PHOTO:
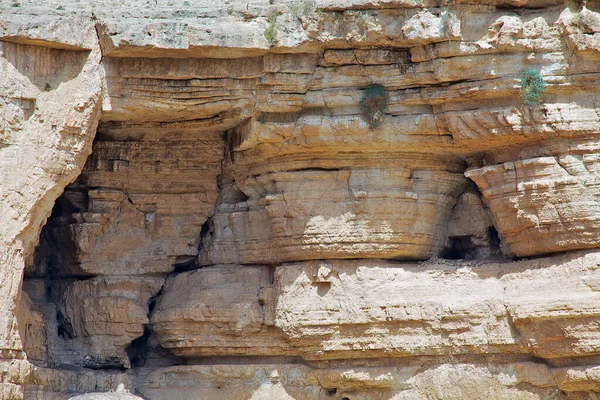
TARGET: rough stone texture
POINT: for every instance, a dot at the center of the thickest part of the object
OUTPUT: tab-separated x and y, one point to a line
543	204
235	300
62	384
106	396
349	211
50	104
240	229
101	316
514	381
137	208
373	309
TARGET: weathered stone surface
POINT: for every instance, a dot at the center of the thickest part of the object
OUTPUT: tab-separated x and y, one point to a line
57	384
368	309
392	211
106	396
137	208
545	204
232	137
471	232
401	311
32	330
234	300
49	114
100	317
281	381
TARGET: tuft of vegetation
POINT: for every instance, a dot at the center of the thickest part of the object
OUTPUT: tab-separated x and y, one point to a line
532	87
373	104
271	29
47	87
262	118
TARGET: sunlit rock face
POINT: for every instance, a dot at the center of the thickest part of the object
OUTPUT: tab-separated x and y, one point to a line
393	208
299	200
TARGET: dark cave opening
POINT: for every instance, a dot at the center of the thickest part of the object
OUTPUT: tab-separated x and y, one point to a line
459	248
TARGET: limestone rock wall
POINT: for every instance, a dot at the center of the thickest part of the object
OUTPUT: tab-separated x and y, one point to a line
50	104
196	205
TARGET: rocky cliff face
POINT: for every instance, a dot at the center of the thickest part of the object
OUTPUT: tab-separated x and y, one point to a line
198	202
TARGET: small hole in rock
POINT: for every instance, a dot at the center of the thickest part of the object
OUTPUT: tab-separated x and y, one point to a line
138	349
494	239
458	249
65	329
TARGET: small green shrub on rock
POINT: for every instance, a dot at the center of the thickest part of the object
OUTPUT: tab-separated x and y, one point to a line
532	87
271	29
373	104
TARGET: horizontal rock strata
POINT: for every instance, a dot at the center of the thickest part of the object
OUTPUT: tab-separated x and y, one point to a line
247	227
526	380
543	204
372	309
396	210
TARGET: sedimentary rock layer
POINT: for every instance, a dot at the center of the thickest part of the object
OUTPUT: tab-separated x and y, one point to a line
49	112
348	208
524	380
243	228
138	206
543	204
375	309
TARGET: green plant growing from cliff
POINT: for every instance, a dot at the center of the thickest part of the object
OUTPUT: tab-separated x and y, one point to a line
271	29
373	104
532	87
262	118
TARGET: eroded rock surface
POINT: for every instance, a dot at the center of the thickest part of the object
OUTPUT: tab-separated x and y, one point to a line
245	228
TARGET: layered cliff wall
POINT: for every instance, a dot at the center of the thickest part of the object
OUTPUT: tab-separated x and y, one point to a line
198	202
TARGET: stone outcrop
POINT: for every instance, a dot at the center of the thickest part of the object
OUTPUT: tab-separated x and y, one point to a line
106	396
198	202
388	310
236	301
50	104
285	381
543	204
359	209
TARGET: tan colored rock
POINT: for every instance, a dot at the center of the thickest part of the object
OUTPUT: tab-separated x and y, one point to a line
106	396
470	230
288	381
395	209
145	211
285	382
577	379
101	316
49	116
32	330
368	309
237	127
543	205
188	89
219	310
55	384
484	318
